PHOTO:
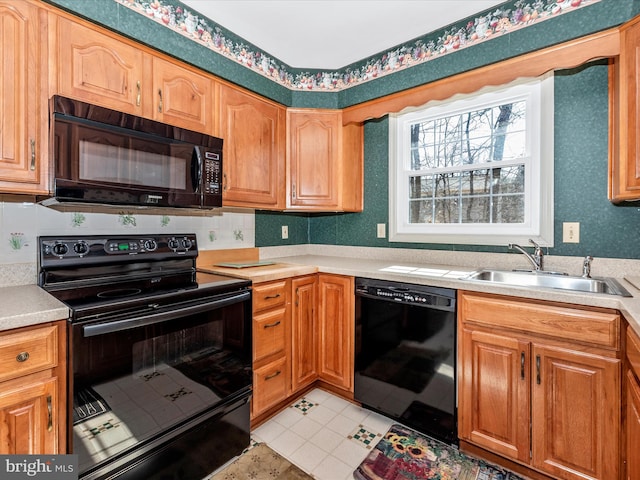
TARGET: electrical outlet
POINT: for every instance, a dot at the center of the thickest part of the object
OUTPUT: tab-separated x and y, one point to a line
571	232
382	230
285	232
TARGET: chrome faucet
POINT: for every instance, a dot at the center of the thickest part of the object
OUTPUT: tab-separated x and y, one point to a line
536	259
586	266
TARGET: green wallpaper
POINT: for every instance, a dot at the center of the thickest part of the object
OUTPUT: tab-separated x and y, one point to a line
581	126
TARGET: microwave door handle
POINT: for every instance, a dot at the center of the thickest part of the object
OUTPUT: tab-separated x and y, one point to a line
196	169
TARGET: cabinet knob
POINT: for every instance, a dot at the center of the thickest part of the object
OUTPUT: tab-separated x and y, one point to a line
22	357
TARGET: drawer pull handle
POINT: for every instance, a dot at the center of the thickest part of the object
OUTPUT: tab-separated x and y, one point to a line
159	101
138	93
538	369
269	325
269	297
522	365
50	414
273	375
22	357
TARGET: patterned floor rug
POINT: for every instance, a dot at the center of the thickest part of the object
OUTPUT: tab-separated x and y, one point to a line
261	463
404	454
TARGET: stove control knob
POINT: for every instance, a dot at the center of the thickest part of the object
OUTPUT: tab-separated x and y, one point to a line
150	245
187	244
60	249
81	248
173	244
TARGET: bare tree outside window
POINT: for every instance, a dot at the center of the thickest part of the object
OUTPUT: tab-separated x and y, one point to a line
469	167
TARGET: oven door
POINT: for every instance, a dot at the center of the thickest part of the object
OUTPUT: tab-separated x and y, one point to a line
142	382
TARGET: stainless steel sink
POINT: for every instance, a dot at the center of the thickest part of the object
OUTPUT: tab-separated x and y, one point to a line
608	286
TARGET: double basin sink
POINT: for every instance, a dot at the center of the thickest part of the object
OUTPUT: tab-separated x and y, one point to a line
555	280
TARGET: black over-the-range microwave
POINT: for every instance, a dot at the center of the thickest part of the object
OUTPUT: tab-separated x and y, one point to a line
102	156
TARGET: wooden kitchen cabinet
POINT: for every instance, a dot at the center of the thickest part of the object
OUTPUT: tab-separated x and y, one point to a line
254	149
632	418
181	96
304	338
325	161
23	95
102	68
336	326
271	339
624	158
539	384
33	390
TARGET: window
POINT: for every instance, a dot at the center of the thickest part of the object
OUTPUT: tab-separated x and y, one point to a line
475	169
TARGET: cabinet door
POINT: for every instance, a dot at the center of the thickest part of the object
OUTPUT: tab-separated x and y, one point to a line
494	393
27	417
575	423
336	330
254	149
303	339
314	156
182	97
633	427
100	69
23	119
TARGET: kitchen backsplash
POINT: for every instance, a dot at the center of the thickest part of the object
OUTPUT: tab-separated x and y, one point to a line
22	222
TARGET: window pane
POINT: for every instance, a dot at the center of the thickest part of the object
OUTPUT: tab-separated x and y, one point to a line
476	210
447	210
508	209
508	179
421	211
447	184
475	182
421	187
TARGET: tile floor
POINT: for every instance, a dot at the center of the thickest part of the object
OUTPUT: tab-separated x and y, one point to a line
323	434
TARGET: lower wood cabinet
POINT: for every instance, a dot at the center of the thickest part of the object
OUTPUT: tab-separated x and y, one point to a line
632	417
271	345
302	333
336	326
539	384
32	390
304	339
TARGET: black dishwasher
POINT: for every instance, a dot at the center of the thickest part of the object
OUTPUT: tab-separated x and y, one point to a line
405	366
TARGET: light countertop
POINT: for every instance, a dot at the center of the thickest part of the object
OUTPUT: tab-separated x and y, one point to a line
25	305
448	276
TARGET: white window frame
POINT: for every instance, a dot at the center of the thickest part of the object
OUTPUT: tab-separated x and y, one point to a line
538	224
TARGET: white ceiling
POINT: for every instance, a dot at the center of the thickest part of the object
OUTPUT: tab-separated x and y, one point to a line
331	34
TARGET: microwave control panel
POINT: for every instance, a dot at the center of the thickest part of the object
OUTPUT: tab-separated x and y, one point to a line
212	173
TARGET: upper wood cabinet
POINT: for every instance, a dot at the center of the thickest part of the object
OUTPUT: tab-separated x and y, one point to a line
624	156
540	384
101	68
254	131
325	161
182	97
23	96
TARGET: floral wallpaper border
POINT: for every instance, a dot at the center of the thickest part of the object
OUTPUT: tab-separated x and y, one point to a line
503	20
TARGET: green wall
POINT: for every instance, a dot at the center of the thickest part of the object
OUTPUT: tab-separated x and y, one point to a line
581	151
581	126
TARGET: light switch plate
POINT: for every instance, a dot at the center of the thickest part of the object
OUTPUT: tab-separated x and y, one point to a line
285	232
382	231
571	232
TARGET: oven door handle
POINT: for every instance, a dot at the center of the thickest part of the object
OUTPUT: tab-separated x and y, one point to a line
150	319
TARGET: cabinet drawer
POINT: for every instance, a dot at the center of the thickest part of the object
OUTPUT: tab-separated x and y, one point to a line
269	385
28	351
269	333
269	295
633	351
595	326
